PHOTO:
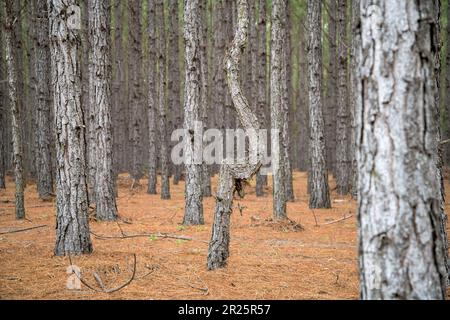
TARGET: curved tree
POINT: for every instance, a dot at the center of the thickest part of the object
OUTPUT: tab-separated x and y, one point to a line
233	176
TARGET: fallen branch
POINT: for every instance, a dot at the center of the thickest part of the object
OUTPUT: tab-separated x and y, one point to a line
338	220
141	235
21	230
100	282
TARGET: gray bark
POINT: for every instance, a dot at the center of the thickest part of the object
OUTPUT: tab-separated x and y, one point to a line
331	100
152	101
193	214
343	114
3	106
174	77
319	191
206	177
43	117
447	83
72	225
287	92
134	88
233	177
16	116
400	245
164	156
277	106
119	89
261	180
100	103
355	101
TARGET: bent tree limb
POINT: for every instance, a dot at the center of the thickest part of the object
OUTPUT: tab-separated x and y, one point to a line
233	175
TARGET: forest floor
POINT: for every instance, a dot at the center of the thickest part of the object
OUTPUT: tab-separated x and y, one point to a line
268	260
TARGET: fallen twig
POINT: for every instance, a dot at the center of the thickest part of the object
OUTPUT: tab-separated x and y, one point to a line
100	282
338	220
21	230
140	235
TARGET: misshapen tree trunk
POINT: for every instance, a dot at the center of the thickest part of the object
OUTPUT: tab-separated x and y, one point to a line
319	193
43	122
164	156
72	225
16	117
100	100
152	101
232	177
400	246
277	102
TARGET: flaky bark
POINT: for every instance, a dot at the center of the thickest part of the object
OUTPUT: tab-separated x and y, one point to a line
287	105
100	101
277	106
206	177
319	193
400	246
447	82
152	101
193	213
164	155
43	101
72	226
233	177
343	115
174	77
355	98
134	88
261	180
16	116
330	108
3	107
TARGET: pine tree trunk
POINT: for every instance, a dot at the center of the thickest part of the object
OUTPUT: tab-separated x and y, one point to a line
355	101
100	101
3	107
260	72
118	86
289	187
330	108
206	176
193	214
174	77
277	106
16	116
43	119
233	177
447	83
400	246
165	182
343	115
134	88
72	225
319	193
152	101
